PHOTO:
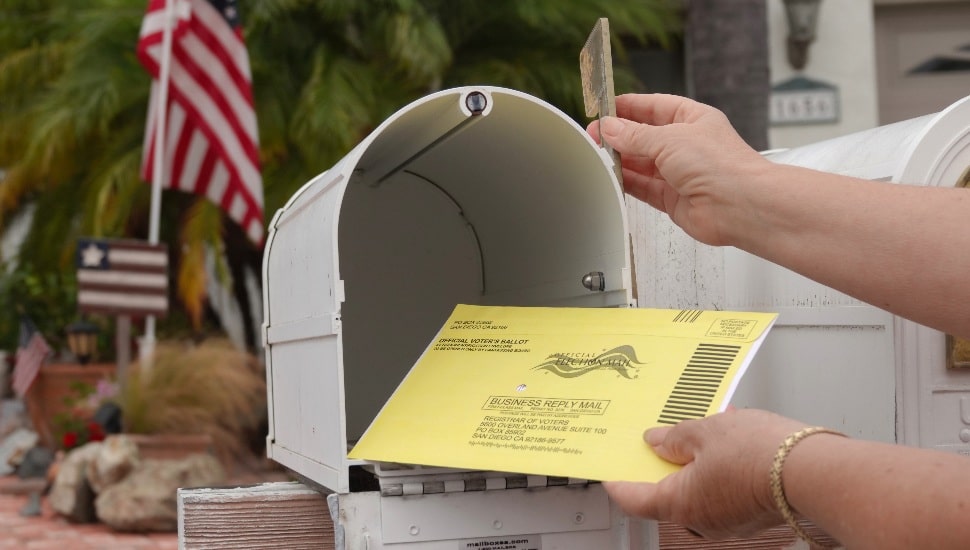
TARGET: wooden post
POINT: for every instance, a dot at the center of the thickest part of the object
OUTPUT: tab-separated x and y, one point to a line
281	515
122	345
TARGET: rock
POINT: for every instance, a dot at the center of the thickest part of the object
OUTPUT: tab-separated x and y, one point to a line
14	447
108	416
146	499
32	508
55	467
12	417
35	463
71	495
117	457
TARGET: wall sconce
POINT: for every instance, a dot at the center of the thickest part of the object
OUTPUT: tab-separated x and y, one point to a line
82	339
802	19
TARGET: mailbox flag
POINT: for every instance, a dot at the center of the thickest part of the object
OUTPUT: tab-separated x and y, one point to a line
211	142
32	349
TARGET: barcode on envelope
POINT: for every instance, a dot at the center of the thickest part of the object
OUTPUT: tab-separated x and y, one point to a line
688	315
695	389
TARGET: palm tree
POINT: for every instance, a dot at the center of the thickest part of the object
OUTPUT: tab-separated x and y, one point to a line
721	33
325	73
69	132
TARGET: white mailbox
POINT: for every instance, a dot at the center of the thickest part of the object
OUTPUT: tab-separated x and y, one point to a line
845	364
475	195
483	195
830	359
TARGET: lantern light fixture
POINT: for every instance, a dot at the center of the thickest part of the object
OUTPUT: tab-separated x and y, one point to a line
82	339
802	19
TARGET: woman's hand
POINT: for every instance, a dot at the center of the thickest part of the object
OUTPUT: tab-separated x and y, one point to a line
723	489
683	158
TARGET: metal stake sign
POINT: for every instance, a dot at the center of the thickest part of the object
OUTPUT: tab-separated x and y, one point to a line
127	278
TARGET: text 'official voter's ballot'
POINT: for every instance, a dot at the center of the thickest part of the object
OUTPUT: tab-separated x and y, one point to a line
562	391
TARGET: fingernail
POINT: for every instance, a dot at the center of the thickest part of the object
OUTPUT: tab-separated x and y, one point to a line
653	437
610	126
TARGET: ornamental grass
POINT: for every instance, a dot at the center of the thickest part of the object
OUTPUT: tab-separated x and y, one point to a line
209	388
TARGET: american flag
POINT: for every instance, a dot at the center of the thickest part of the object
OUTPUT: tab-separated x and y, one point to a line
211	143
31	352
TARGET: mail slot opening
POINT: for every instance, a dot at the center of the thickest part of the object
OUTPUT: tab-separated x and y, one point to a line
510	207
476	195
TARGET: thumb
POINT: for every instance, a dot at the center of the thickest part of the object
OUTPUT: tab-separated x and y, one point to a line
611	127
628	137
668	445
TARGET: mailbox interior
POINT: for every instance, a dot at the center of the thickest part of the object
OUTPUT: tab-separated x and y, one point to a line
512	205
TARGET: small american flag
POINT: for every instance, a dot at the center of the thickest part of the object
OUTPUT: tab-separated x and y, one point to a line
31	352
211	143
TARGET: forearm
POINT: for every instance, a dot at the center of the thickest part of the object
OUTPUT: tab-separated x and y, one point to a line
909	242
880	496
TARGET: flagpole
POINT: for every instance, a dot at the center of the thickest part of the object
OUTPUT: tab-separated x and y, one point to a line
147	343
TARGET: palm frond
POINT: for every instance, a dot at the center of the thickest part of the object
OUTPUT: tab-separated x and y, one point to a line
115	188
201	227
325	72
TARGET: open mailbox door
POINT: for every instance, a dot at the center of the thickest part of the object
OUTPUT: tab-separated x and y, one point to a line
475	195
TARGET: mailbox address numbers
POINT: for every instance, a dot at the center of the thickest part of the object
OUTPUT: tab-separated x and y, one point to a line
804	107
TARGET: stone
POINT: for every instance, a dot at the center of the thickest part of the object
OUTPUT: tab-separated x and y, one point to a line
71	494
108	416
14	447
35	463
145	500
32	508
12	416
116	458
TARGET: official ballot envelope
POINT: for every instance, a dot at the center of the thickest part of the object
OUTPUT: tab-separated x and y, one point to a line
562	391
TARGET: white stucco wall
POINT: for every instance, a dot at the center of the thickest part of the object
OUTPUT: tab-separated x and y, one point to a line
843	55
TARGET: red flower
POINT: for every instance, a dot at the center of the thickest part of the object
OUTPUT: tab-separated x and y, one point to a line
69	440
95	433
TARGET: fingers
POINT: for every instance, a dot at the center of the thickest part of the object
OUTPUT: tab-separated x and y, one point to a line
649	500
722	491
636	499
652	500
629	137
640	176
658	109
650	190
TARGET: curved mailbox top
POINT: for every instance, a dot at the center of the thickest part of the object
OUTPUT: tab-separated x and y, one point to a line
476	195
928	150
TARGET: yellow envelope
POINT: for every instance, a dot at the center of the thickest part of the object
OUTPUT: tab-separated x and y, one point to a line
562	391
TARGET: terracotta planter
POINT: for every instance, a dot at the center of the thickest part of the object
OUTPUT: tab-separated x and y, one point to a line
46	397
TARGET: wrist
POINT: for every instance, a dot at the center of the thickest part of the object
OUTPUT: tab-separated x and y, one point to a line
788	473
749	202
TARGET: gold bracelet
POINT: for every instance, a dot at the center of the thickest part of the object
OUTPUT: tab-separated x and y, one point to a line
778	490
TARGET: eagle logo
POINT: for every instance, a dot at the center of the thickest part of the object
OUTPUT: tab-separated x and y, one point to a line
621	359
